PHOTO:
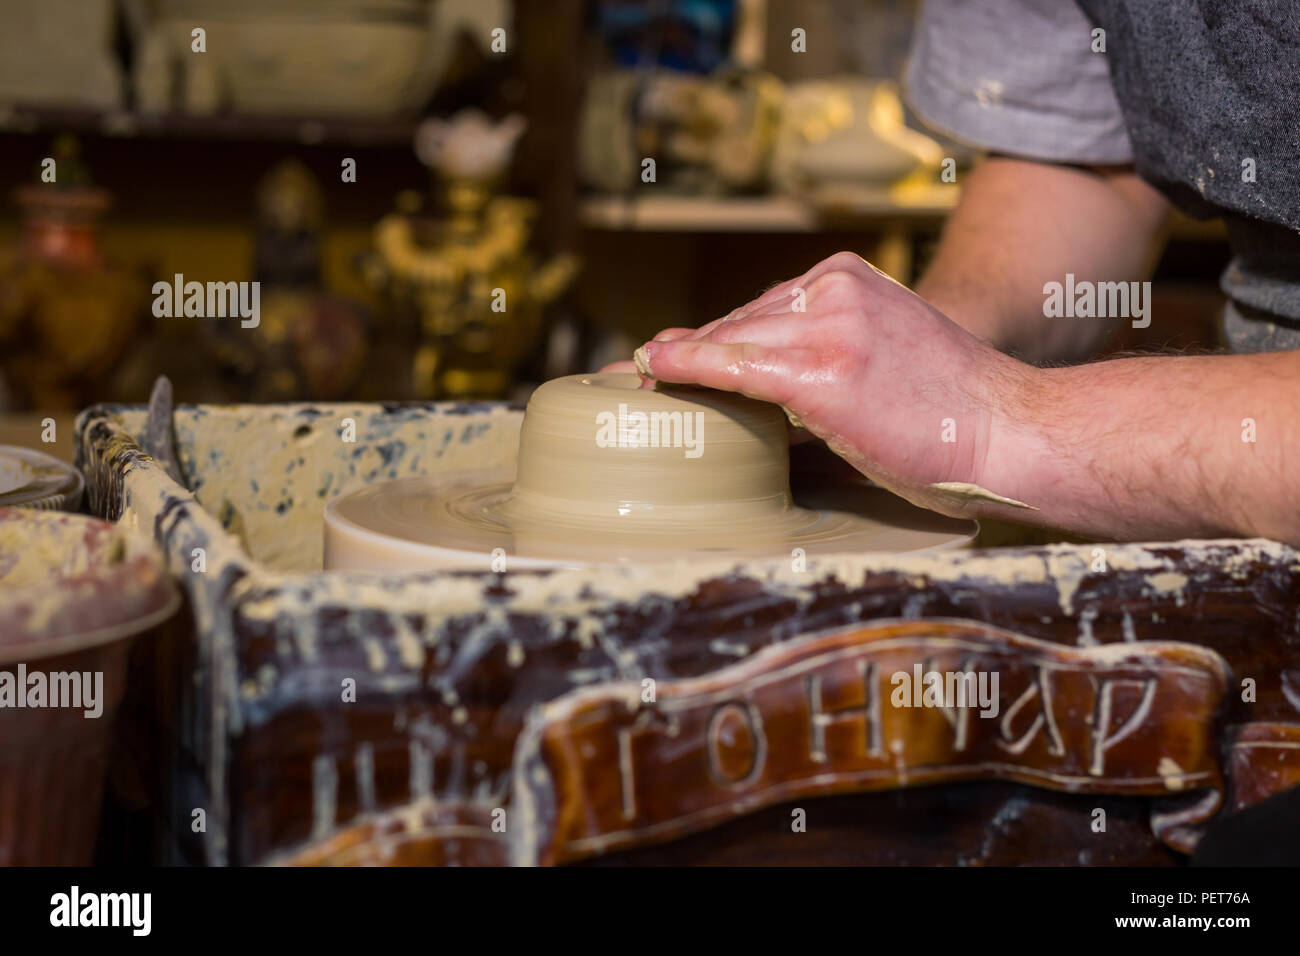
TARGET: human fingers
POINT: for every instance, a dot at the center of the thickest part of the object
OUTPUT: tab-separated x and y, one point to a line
767	374
667	335
784	294
779	330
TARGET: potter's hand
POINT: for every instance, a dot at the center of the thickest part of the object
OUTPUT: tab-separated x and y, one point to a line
905	395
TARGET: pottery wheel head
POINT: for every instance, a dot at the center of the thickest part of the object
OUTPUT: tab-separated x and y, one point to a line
608	472
603	447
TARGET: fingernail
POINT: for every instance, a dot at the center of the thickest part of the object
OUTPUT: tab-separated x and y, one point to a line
642	358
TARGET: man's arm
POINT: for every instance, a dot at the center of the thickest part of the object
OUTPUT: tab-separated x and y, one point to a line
1142	448
1160	447
1022	224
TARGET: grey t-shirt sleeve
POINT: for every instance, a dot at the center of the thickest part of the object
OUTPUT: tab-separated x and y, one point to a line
1016	77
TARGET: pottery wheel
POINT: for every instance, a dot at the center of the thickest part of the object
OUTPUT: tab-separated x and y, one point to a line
610	472
30	479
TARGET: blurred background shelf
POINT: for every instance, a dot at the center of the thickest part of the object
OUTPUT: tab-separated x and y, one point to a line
757	214
600	93
787	214
307	130
697	214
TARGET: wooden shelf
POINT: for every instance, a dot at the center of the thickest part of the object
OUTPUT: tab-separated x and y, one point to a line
758	214
784	214
695	214
308	130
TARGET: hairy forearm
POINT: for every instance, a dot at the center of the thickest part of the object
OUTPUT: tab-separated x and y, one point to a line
1154	448
1022	224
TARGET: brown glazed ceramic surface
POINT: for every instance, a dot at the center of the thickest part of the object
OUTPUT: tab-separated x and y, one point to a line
472	685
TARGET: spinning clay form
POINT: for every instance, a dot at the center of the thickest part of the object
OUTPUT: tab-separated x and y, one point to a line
612	472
